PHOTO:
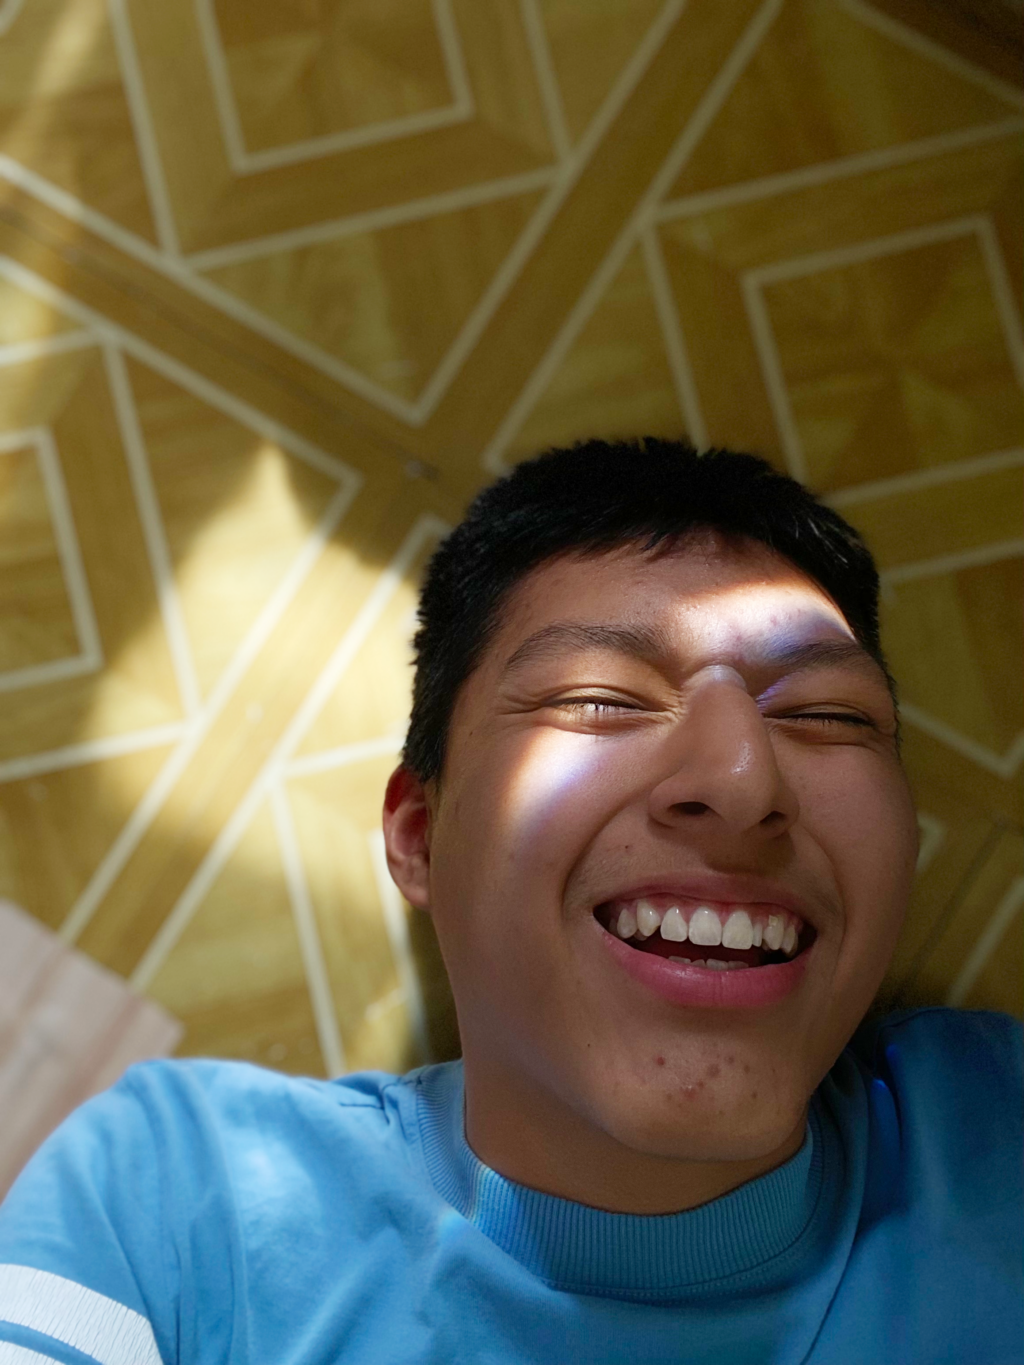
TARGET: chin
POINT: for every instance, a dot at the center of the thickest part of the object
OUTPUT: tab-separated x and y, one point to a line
684	1123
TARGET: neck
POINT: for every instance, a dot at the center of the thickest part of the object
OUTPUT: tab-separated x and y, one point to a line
519	1129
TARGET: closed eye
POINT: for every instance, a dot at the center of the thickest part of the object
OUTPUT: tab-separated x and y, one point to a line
584	709
830	717
593	706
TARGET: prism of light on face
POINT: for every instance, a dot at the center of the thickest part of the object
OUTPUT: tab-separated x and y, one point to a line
754	621
554	765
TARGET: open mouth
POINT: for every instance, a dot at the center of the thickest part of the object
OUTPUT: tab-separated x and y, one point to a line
713	935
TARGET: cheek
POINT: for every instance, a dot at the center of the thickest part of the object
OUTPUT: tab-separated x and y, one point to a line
556	786
859	810
536	808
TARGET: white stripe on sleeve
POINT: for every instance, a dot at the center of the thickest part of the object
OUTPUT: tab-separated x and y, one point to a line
21	1355
79	1317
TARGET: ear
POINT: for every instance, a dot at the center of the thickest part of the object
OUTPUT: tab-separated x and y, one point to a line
407	836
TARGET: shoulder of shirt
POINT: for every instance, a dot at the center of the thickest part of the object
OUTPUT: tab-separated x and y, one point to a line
236	1090
222	1081
959	1033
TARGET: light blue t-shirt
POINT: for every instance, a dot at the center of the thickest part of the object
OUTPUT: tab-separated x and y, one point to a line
209	1212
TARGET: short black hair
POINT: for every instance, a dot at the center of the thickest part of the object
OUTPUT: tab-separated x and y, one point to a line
597	496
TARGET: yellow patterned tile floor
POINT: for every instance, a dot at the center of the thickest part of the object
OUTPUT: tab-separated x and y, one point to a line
281	286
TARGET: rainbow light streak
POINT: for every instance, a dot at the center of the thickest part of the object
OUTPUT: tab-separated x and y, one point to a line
754	624
557	763
720	632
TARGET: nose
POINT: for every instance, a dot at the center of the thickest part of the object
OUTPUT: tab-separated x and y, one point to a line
724	769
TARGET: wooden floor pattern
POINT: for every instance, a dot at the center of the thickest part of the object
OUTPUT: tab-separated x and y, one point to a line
282	285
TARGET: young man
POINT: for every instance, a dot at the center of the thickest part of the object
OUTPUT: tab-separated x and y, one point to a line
652	798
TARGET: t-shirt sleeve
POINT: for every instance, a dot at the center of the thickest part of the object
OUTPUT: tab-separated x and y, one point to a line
88	1270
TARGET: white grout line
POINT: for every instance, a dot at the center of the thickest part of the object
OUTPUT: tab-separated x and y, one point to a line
843	168
111	332
529	239
232	406
307	351
317	980
672	335
798	267
20	352
373	134
132	831
54	670
933	835
327	760
414	414
953	562
707	108
350	480
453	55
397	926
188	903
987	942
152	803
256	420
1003	295
461	110
220	82
9	11
1004	766
542	374
547	78
858	253
142	126
151	523
763	336
228	303
258	634
500	285
386	585
89	751
932	477
18	440
76	212
244	162
925	47
627	81
226	842
68	550
394	215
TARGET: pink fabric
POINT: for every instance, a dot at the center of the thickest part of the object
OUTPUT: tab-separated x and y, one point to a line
68	1029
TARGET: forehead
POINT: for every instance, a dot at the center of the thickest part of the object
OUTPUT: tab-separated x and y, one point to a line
710	592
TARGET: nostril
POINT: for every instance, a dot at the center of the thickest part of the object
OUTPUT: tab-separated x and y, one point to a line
691	807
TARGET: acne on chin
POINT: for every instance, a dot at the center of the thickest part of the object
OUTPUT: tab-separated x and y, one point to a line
694	1108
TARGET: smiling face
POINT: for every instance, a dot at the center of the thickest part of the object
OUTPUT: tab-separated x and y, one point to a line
692	739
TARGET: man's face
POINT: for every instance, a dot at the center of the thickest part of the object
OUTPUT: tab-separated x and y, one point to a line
695	736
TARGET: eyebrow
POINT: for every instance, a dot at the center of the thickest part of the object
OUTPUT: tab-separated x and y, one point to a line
652	646
821	654
638	642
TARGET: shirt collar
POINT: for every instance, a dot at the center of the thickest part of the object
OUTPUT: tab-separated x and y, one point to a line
587	1250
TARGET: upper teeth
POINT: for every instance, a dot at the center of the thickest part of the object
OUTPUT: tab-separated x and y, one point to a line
709	925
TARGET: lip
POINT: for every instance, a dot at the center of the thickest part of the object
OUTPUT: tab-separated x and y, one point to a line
699	988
